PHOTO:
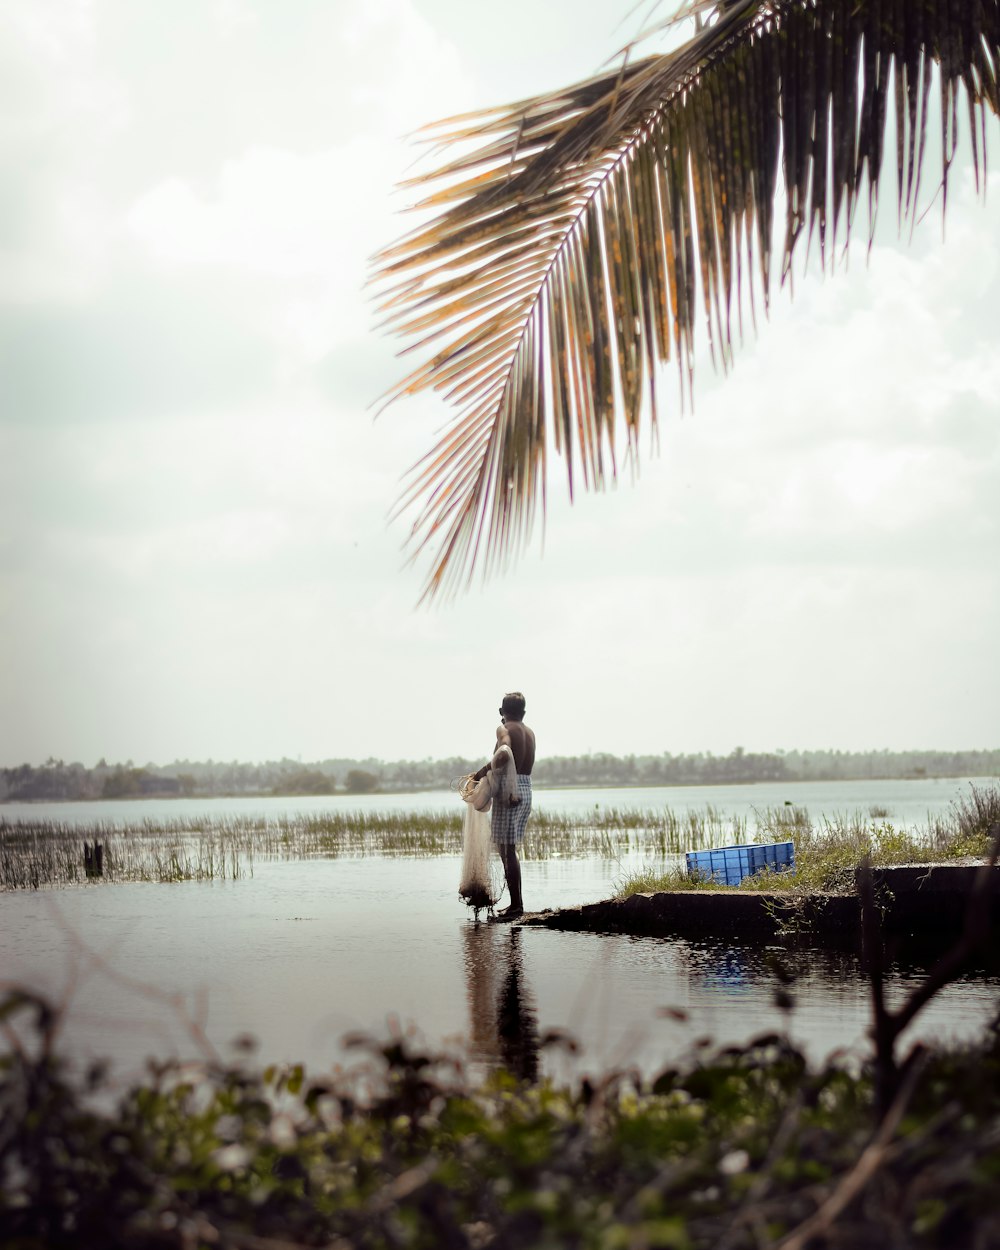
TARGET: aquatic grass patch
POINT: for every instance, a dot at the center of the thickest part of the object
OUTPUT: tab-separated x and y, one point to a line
828	853
37	853
46	852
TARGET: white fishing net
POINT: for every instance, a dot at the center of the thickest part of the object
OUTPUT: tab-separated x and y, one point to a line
482	881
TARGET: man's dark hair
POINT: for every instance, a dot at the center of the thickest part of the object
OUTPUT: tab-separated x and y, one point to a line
513	705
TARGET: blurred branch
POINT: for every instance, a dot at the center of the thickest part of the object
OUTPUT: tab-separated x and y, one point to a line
888	1025
866	1167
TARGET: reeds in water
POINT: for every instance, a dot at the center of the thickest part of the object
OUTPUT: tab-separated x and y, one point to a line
46	852
35	853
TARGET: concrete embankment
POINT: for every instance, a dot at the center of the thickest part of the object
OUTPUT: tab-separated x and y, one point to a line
920	903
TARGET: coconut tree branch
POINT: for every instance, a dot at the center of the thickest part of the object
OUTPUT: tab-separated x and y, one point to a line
577	239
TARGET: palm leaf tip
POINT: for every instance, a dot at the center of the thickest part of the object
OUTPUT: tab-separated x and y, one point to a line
579	240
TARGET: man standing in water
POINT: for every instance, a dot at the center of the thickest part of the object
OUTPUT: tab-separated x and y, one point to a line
508	821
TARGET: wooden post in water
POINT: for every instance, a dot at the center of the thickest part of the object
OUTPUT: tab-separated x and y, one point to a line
93	859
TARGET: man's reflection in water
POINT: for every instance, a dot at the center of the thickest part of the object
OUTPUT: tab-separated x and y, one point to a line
503	1021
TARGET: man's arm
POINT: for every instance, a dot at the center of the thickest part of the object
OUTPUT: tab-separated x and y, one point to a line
503	739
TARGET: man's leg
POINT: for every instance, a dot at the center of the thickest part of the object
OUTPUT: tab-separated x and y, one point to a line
512	871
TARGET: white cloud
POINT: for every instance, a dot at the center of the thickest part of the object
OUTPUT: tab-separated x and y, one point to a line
288	221
197	560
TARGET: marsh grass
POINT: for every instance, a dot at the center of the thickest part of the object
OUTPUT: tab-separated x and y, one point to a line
45	852
36	853
829	852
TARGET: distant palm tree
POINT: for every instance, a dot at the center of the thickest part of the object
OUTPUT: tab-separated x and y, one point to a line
576	233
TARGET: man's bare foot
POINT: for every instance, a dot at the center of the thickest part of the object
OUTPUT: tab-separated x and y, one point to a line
508	913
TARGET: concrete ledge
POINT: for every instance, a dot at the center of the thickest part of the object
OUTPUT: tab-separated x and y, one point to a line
711	913
927	899
922	903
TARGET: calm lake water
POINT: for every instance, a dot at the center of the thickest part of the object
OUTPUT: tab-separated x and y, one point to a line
908	802
303	952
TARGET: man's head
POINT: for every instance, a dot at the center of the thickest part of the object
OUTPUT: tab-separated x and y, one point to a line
512	707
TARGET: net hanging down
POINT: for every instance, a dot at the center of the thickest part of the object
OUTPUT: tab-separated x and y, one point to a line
480	886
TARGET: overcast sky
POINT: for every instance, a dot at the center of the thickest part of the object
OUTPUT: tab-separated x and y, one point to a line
195	557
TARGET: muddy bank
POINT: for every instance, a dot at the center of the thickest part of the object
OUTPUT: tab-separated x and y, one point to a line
921	904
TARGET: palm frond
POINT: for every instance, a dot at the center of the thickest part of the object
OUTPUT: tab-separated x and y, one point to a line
579	237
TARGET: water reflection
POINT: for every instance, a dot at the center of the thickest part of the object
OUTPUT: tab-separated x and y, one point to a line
503	1018
380	937
724	970
735	972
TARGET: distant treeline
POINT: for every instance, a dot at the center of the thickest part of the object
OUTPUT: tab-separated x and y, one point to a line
58	780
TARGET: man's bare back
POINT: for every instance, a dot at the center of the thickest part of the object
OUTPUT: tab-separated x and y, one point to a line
521	741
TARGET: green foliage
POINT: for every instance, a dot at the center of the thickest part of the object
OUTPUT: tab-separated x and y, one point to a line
361	782
306	781
123	783
405	1150
57	780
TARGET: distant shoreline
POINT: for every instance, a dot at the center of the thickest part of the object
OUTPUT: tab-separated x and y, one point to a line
164	796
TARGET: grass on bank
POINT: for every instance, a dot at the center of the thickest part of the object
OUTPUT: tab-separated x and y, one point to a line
828	855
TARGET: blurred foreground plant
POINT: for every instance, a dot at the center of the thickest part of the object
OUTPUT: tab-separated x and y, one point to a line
745	1147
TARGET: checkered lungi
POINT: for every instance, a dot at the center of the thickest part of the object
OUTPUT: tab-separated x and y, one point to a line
507	823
